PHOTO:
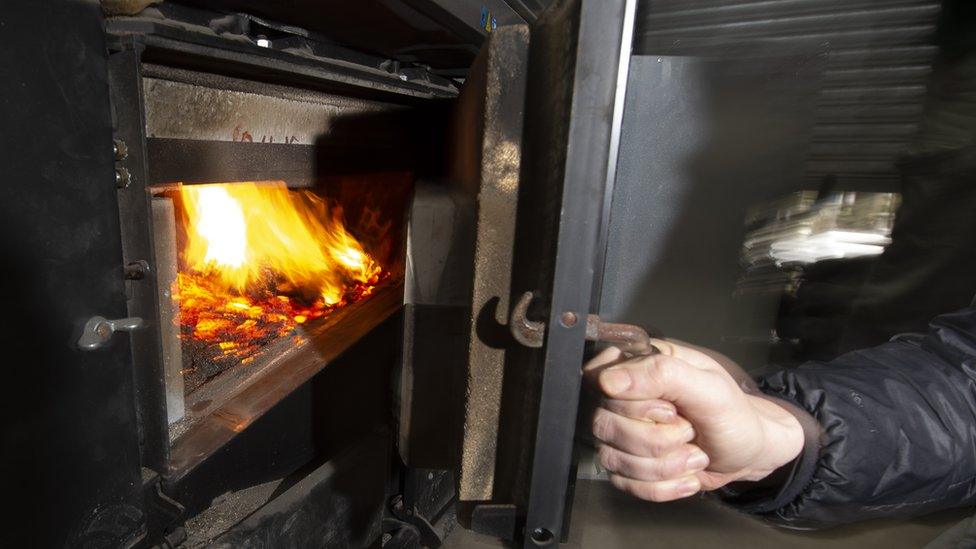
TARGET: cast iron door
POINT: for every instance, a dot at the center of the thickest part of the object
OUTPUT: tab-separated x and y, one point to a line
578	59
70	434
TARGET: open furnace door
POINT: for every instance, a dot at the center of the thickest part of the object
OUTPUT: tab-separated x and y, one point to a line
578	60
539	176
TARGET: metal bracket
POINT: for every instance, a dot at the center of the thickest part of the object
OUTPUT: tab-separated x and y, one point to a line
98	330
429	537
631	339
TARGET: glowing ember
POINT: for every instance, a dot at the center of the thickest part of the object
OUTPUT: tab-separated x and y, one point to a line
260	259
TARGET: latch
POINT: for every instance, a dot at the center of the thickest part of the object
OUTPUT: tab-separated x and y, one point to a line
631	339
98	330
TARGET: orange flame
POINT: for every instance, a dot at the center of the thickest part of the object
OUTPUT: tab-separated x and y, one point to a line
259	259
240	231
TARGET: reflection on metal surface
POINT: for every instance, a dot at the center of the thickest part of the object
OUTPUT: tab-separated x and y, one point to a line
186	111
211	423
805	228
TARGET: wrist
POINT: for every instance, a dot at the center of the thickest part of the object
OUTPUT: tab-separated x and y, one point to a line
782	438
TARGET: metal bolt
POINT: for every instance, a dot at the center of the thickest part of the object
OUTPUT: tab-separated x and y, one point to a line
122	177
104	330
136	270
541	537
568	319
120	149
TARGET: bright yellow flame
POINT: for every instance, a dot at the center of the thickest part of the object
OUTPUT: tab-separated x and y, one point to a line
222	227
241	232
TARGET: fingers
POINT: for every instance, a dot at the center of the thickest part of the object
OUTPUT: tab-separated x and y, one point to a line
603	360
653	461
666	490
660	411
638	437
667	347
685	460
693	390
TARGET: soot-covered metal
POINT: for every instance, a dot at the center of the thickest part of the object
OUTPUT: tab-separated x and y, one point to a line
354	414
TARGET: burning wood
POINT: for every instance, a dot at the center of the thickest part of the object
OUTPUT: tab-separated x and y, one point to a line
257	260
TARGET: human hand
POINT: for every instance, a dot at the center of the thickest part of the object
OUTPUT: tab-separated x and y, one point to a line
677	422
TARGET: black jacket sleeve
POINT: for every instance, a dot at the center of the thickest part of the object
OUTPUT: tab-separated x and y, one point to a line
897	430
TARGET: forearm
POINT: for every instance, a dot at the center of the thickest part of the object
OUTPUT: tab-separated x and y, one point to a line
897	436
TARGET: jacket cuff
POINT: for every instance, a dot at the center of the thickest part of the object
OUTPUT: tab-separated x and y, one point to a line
786	483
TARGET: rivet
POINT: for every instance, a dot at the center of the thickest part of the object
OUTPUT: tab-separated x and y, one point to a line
568	319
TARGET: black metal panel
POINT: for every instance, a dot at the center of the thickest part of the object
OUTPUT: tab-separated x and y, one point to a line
880	56
340	504
573	72
70	450
198	161
194	46
347	401
432	401
444	34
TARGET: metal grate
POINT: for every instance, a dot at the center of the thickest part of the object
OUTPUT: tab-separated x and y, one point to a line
880	53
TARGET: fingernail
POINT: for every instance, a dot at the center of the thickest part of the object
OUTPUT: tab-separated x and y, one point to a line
697	461
615	381
662	414
688	487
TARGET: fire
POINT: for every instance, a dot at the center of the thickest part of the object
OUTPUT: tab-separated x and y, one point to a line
260	259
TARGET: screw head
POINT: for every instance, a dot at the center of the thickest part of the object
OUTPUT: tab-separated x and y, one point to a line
136	270
122	177
120	149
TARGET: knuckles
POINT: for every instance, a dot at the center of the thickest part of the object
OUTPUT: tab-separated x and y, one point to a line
609	458
603	425
645	439
649	491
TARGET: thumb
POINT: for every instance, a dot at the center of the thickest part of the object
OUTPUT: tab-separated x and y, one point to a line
692	389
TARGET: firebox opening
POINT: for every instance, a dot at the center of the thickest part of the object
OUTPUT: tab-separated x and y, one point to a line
247	269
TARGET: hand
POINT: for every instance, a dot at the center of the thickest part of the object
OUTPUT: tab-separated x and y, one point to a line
677	422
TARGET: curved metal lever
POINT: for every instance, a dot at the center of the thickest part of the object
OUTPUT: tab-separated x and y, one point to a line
98	330
631	339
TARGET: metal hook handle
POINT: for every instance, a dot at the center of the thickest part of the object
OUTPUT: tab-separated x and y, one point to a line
630	339
525	331
98	330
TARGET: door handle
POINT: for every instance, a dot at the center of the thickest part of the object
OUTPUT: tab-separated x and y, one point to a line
631	339
98	330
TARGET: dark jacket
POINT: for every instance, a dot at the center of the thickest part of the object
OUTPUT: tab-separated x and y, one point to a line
896	435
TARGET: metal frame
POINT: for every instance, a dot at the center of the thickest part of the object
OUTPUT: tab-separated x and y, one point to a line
125	88
128	52
175	45
215	419
605	31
